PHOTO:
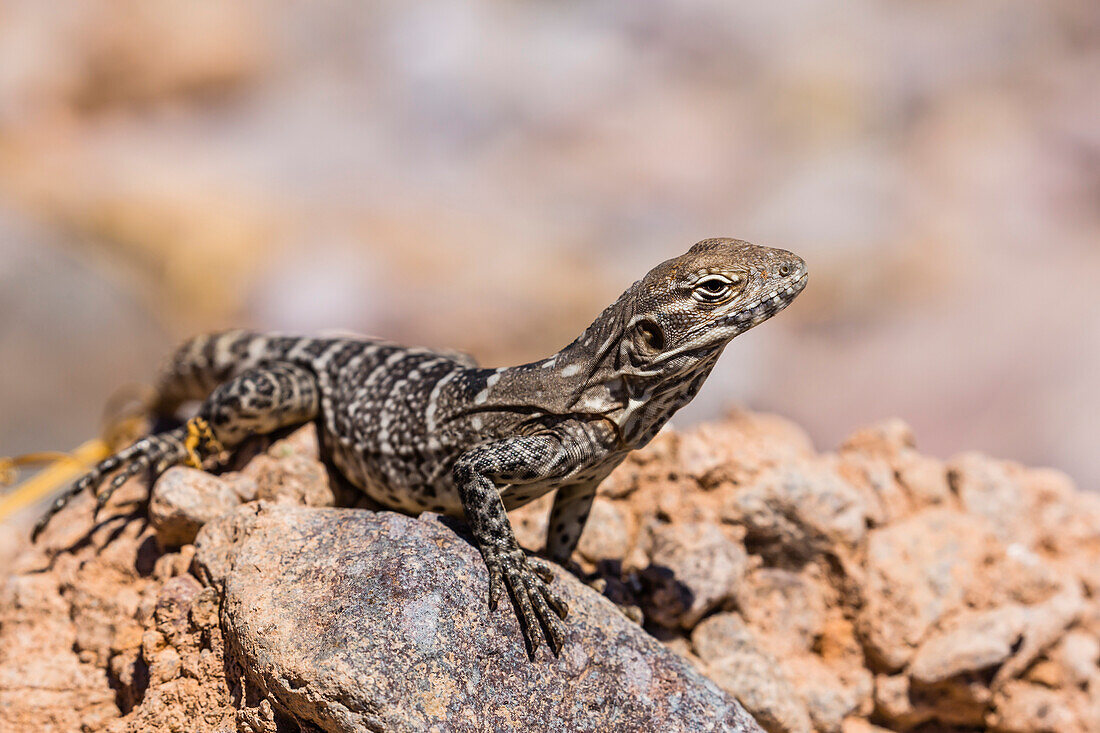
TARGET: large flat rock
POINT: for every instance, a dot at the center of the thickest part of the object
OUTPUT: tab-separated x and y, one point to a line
362	621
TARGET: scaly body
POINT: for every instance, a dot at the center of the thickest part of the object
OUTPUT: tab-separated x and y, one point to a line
419	430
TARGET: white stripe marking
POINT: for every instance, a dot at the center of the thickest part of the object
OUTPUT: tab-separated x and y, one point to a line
433	400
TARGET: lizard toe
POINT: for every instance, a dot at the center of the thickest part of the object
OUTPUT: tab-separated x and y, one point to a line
525	607
552	627
561	608
541	568
496	583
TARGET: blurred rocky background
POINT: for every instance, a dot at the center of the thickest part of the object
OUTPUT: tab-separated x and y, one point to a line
488	176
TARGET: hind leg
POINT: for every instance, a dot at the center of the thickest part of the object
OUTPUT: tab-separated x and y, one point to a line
260	400
567	517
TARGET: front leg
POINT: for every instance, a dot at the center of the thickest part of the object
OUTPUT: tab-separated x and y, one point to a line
477	474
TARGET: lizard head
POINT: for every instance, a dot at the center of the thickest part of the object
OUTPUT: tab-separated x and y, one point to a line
690	307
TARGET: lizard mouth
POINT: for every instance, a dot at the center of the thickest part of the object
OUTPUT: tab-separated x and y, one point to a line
767	304
719	332
751	314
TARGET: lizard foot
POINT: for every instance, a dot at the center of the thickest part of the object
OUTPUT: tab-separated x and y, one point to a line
156	452
199	435
540	610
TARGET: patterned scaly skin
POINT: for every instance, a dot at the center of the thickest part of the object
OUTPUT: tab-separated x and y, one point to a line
421	430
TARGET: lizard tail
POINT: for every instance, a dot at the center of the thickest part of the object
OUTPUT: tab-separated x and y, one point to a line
61	468
202	363
153	453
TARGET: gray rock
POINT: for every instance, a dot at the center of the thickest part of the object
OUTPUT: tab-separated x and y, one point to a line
694	569
183	500
977	640
361	621
606	536
735	661
918	571
799	510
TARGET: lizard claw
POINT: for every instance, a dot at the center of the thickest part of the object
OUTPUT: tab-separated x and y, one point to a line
539	609
160	450
561	608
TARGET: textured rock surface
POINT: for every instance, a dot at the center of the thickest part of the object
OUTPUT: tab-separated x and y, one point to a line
357	621
112	635
908	593
183	500
918	570
695	568
878	584
735	659
43	685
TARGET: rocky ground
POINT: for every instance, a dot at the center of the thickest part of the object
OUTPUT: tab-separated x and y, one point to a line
870	588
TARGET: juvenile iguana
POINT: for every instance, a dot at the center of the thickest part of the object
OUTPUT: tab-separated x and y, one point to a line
418	430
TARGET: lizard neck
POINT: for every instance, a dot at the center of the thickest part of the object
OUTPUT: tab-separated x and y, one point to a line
577	380
651	403
603	376
594	376
574	381
639	406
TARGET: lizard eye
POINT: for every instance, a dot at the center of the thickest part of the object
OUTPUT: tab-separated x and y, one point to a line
784	270
713	289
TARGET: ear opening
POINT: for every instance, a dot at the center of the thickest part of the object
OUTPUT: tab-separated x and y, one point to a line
651	335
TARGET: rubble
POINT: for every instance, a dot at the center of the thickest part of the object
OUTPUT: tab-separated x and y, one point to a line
864	590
